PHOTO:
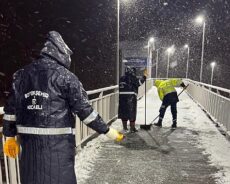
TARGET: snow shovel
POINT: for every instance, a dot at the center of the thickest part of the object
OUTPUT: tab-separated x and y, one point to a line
145	127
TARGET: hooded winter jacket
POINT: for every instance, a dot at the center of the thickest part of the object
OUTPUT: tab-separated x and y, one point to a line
128	90
44	99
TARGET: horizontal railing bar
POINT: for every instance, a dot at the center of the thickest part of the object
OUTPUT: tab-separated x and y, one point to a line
102	90
96	99
209	86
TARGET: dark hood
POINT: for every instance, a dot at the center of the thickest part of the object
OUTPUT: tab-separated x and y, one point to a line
56	48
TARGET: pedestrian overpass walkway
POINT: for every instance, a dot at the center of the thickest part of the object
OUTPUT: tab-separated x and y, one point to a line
195	153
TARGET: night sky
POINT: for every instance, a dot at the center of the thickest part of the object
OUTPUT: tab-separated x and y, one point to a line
89	28
86	26
173	22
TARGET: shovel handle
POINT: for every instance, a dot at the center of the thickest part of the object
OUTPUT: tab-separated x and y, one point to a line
183	90
145	102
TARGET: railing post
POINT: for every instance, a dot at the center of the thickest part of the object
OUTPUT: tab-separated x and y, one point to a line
6	163
12	171
1	174
78	131
85	130
109	107
95	107
100	110
104	110
10	168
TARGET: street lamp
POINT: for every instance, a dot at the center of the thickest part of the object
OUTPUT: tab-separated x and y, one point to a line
151	40
118	35
200	20
169	51
150	47
213	64
157	60
187	47
118	41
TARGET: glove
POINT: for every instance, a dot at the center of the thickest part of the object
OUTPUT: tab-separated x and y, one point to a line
145	73
11	147
183	85
115	135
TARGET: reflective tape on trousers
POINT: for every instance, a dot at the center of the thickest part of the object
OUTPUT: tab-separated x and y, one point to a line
45	131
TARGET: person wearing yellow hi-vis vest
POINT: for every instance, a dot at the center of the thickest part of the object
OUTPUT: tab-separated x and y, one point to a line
168	95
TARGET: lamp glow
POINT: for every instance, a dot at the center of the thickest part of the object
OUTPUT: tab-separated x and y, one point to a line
213	64
200	19
151	39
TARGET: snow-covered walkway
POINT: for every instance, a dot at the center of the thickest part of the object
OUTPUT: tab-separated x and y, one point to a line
195	152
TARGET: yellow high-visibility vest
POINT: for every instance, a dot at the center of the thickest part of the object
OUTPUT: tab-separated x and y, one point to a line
165	87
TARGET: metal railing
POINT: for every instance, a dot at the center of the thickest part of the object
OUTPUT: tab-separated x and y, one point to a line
104	101
214	100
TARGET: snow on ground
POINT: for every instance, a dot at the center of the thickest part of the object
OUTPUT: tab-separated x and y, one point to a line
215	144
190	116
84	160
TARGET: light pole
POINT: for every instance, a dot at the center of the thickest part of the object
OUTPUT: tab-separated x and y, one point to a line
187	47
157	60
169	51
149	63
200	20
118	39
213	64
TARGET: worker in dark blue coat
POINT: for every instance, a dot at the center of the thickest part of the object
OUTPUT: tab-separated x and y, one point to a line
128	90
42	106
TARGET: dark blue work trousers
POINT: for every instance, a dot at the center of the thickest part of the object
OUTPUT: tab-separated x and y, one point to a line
170	99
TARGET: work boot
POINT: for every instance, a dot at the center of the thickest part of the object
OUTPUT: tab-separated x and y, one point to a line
159	123
174	125
125	128
132	127
133	130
